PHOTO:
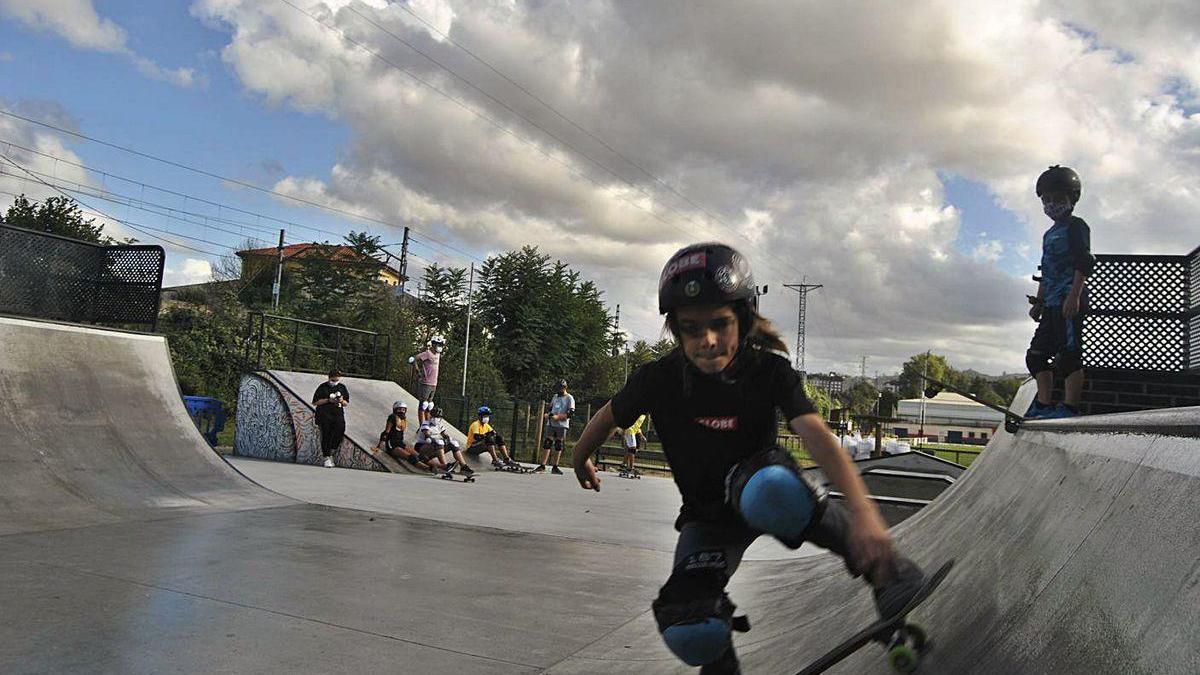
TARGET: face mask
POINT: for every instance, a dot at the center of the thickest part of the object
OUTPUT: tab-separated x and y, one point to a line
401	414
1056	210
485	419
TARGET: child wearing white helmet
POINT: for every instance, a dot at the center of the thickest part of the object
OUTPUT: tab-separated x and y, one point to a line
392	439
425	370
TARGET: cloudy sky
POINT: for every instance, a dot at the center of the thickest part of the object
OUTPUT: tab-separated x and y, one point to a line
885	150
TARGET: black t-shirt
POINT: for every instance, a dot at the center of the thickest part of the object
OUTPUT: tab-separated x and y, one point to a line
330	410
707	424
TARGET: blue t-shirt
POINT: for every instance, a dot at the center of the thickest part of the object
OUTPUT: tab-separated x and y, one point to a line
1066	247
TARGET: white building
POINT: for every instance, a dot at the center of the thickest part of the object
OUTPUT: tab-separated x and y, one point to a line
949	418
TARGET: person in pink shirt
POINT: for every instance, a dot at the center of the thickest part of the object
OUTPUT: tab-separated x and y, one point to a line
425	370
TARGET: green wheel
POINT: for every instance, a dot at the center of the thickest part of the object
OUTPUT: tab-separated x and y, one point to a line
916	636
902	658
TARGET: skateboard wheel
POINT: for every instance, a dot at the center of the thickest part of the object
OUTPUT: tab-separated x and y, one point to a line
902	658
915	636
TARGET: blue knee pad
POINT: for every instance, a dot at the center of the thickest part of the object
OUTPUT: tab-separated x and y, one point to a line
775	500
699	643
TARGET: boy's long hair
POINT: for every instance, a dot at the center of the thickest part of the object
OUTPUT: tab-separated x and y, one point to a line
757	330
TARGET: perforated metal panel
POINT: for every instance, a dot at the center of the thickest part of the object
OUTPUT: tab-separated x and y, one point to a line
1142	313
51	277
1142	284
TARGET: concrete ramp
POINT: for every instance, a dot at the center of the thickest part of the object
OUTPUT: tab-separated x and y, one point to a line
93	430
275	420
1078	552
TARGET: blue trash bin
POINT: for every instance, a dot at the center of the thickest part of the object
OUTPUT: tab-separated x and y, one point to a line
208	414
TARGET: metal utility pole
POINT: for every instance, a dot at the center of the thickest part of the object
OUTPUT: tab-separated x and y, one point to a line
624	347
862	366
924	374
467	341
278	274
404	262
802	288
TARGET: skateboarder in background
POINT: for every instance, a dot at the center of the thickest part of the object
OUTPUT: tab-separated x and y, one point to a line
632	440
558	421
330	400
714	400
392	439
481	438
432	440
1061	301
425	370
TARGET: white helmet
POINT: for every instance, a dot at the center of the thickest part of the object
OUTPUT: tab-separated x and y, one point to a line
437	340
399	405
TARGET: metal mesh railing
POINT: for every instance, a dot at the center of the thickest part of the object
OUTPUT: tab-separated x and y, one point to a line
1143	313
283	343
51	277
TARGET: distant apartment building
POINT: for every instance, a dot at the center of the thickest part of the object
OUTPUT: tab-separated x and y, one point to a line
830	383
949	418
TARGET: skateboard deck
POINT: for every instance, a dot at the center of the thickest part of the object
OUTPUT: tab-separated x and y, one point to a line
906	642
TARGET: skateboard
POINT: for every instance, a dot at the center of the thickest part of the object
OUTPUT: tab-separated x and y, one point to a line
905	642
633	475
1012	421
448	474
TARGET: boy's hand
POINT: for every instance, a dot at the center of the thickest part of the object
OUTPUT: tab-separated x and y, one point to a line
1071	307
871	546
587	476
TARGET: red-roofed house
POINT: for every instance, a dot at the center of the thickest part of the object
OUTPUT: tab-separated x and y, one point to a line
294	255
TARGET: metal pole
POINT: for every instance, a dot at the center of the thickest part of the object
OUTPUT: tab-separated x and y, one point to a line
404	263
278	274
803	289
924	374
467	341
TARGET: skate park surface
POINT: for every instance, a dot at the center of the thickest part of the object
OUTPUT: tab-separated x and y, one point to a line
129	546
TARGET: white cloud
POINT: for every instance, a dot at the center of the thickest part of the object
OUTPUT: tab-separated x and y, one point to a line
988	251
188	271
810	134
77	22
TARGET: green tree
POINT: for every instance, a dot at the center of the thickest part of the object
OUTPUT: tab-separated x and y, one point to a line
547	323
935	365
56	215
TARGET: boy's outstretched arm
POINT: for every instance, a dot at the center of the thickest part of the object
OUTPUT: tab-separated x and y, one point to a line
598	429
870	543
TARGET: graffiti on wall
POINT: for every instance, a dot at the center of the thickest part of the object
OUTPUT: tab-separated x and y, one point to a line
264	428
279	425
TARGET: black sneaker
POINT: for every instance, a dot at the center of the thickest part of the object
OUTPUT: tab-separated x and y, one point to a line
907	580
541	468
555	470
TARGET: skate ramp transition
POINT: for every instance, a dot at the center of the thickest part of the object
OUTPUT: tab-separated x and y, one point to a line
1078	552
93	430
275	420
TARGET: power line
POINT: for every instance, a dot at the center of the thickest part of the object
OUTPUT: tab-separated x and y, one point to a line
105	215
405	8
504	128
220	205
215	176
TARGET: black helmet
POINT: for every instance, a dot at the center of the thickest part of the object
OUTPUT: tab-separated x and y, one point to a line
561	384
438	412
1060	179
704	274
